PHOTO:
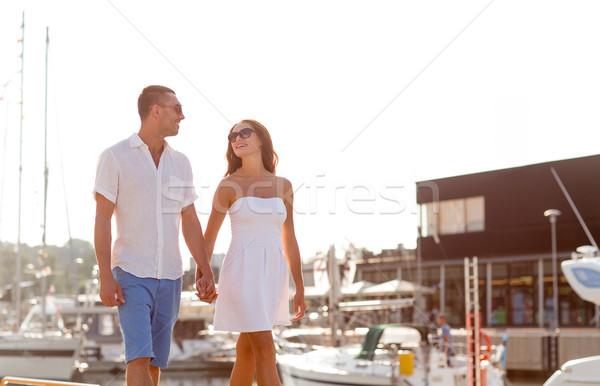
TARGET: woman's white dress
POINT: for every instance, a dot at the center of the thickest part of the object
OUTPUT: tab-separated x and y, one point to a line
254	276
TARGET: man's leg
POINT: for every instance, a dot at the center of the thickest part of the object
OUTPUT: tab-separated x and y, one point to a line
155	374
163	317
138	373
134	317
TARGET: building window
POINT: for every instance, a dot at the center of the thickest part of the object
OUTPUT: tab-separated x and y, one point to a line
475	213
451	217
379	276
429	216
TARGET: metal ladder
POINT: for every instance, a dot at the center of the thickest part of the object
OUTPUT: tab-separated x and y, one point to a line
473	318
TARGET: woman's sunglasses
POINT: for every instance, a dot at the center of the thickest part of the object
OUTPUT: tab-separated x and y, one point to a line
244	133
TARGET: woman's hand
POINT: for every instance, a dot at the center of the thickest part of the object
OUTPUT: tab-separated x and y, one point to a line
205	289
299	306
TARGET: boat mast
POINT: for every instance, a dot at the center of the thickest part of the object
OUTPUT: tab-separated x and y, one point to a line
45	147
334	285
4	142
17	286
44	245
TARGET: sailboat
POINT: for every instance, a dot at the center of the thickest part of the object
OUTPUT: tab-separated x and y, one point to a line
41	347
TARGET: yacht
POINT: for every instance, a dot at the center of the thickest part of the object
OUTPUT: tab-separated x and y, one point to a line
49	351
391	354
583	274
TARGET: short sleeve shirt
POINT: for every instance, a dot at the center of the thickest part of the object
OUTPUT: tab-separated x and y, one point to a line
148	203
446	332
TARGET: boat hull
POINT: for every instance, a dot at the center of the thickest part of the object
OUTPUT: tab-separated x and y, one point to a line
333	366
339	366
582	371
50	358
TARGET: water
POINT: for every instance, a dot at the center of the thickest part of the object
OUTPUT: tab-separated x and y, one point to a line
195	378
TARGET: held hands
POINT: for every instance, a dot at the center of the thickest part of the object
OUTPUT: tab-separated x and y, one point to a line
205	288
299	306
110	292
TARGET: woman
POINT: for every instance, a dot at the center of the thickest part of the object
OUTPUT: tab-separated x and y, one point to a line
253	282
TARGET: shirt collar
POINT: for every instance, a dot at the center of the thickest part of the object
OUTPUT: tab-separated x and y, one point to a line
136	141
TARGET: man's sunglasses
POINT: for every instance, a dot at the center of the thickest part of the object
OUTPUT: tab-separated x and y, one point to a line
178	108
244	133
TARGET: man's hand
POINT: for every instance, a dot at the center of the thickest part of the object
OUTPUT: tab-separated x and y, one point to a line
205	287
110	292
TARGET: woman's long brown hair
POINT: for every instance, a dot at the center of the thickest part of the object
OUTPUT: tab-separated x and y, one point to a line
269	157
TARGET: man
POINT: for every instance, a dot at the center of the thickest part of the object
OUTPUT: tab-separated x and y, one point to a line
149	187
446	337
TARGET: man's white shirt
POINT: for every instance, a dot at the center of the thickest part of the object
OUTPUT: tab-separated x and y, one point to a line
148	203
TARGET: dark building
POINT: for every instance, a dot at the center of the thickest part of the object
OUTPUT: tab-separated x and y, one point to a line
498	217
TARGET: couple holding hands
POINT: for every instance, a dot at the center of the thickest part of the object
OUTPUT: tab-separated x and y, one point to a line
148	186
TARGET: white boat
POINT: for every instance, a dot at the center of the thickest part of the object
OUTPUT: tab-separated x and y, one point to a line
50	357
31	351
100	325
583	274
390	355
582	371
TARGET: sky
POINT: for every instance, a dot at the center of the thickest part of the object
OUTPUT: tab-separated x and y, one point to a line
362	99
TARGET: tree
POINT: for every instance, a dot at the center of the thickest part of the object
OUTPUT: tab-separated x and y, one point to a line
70	263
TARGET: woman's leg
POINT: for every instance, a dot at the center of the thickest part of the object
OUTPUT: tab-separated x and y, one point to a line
264	354
243	369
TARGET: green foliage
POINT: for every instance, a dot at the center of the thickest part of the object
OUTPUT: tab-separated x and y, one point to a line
71	265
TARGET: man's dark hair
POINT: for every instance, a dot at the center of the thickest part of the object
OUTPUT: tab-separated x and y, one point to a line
150	96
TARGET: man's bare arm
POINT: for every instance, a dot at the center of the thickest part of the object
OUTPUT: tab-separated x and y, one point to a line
192	233
102	243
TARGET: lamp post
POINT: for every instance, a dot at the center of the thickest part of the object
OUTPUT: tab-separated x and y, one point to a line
419	272
552	214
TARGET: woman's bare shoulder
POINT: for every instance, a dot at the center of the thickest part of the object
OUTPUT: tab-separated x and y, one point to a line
228	186
284	182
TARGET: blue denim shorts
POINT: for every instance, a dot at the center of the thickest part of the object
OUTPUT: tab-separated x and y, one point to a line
148	316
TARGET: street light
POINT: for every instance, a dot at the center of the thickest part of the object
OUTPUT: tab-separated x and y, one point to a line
552	214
